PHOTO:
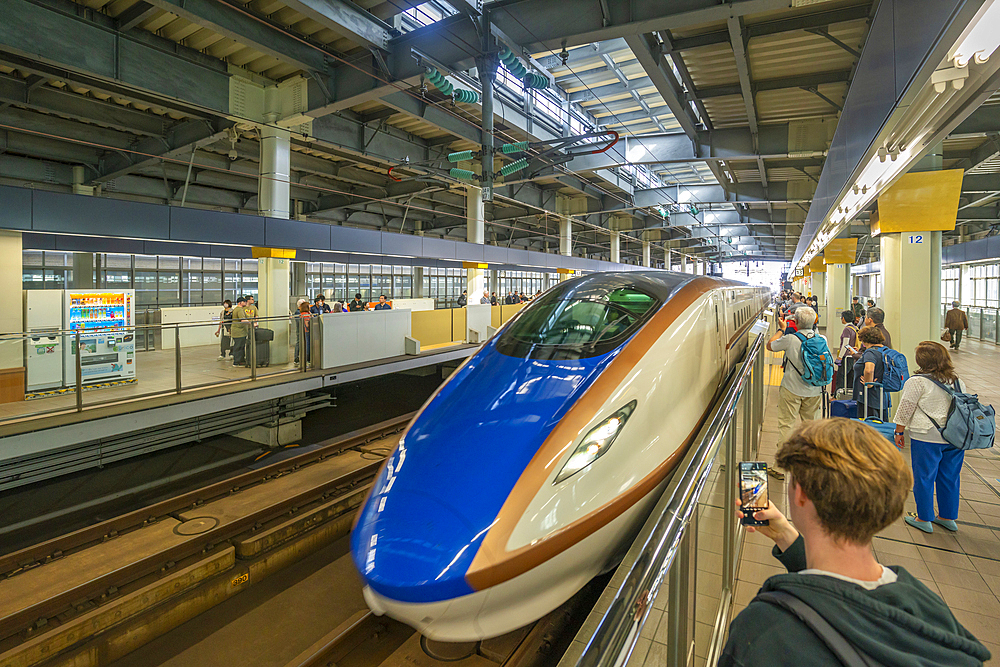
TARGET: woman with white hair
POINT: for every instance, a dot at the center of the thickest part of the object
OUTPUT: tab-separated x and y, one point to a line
956	322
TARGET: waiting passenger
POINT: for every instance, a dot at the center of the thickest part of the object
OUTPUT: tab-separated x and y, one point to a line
868	369
509	299
935	462
224	332
485	298
956	321
796	398
297	321
463	300
493	298
871	303
857	310
305	317
320	306
338	307
357	305
875	317
383	304
847	484
240	329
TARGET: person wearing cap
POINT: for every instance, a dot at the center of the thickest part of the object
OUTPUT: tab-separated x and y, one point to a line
240	330
956	321
357	305
857	310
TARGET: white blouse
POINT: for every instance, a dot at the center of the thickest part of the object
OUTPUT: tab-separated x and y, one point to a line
922	398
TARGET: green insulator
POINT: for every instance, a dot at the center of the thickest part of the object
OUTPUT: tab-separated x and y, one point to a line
533	80
516	165
466	96
519	147
446	87
461	174
459	156
518	69
506	56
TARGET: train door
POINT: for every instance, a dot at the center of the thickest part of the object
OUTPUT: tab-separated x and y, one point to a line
718	306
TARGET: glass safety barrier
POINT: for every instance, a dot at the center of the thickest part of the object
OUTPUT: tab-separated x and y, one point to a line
676	583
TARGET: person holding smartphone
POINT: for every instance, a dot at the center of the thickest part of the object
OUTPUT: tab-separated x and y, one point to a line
847	484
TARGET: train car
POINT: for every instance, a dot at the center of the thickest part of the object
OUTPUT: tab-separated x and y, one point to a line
532	468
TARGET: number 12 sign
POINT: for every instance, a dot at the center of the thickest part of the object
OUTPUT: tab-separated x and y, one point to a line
917	239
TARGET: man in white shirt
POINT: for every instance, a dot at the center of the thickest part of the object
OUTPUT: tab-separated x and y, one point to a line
796	398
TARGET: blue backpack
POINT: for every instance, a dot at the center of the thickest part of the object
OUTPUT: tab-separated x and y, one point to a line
896	372
970	424
817	361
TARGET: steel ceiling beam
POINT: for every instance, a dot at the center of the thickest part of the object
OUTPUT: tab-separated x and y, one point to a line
255	32
51	32
345	18
806	22
648	52
20	92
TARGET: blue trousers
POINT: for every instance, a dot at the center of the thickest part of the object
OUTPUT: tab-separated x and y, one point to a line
936	464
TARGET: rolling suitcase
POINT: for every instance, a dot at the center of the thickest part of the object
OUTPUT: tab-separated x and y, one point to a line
843	407
885	427
263	338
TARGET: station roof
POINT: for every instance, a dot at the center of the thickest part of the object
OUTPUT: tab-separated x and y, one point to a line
726	113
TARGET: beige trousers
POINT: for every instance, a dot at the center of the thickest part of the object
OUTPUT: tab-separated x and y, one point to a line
791	406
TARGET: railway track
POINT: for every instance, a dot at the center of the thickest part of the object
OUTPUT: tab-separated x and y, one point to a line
71	600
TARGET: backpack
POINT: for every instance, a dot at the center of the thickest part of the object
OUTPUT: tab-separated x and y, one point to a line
896	372
817	361
970	424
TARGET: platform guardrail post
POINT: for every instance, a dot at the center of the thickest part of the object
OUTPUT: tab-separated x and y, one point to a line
79	374
729	526
252	341
177	357
681	591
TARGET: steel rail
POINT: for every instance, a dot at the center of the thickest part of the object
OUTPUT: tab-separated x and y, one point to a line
145	564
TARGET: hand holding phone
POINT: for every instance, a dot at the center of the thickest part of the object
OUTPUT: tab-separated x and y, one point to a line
753	491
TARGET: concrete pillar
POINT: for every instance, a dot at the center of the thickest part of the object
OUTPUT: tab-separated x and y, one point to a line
616	247
274	287
494	281
838	291
546	281
646	259
684	263
83	270
565	237
12	371
418	282
475	221
275	172
911	288
668	260
299	281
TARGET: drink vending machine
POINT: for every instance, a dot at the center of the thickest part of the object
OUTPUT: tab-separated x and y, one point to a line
106	322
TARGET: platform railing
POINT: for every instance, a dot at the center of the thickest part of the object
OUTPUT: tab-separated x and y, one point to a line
677	574
191	357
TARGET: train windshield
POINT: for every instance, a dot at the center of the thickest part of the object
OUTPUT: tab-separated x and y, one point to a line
578	323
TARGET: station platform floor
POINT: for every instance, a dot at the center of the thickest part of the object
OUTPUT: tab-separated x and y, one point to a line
963	567
156	372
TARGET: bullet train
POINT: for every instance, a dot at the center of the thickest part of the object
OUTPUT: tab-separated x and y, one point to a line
532	468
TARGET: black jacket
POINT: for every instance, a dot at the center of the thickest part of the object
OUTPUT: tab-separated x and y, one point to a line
462	301
903	624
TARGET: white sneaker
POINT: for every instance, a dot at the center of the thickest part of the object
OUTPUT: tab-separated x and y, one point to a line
221	357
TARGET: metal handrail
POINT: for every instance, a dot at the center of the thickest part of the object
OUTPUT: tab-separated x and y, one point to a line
618	631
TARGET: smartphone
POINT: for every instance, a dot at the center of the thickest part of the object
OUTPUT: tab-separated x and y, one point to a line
753	491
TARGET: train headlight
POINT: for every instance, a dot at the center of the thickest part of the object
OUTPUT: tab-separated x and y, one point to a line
597	441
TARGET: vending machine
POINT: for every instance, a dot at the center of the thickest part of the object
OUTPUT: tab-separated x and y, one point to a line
43	347
106	322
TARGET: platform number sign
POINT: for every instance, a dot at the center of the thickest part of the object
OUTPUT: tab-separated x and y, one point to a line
917	239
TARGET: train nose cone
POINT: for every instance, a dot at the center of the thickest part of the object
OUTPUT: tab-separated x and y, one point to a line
415	549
